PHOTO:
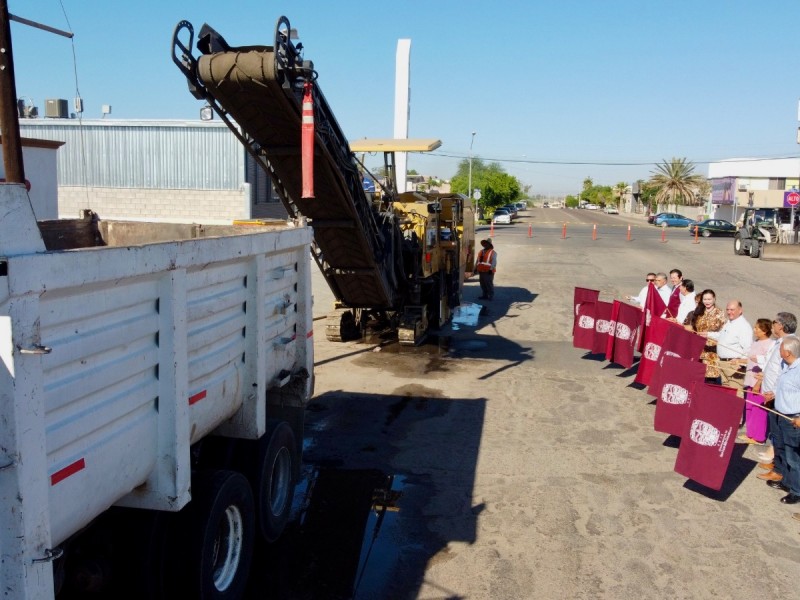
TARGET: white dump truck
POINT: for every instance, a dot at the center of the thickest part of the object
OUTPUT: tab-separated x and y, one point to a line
154	378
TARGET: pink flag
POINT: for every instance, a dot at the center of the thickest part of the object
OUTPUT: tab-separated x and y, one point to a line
755	418
653	308
709	434
625	334
674	395
583	322
655	332
677	342
602	325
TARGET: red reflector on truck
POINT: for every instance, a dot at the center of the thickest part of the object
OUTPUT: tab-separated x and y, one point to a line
197	397
61	475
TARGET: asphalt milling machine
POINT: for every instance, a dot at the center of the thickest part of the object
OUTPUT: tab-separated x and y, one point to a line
394	261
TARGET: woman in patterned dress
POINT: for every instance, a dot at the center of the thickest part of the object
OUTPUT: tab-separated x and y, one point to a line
708	317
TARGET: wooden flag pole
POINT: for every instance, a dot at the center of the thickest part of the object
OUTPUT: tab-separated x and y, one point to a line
775	412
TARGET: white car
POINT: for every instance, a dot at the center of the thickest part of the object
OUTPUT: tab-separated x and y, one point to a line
591	206
501	216
610	209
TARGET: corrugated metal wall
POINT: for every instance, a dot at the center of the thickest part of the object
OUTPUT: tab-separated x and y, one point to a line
143	154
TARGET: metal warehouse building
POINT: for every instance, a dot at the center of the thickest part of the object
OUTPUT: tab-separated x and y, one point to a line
183	171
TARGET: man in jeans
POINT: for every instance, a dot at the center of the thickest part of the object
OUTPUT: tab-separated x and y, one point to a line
787	403
784	324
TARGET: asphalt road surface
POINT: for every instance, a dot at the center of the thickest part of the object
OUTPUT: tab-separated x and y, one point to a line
499	462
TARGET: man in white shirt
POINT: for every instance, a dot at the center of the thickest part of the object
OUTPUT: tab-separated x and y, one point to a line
733	342
688	303
642	297
663	289
784	325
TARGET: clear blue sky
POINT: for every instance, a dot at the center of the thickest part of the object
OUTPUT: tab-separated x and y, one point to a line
587	81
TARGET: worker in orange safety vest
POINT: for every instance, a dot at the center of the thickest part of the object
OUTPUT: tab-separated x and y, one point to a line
486	265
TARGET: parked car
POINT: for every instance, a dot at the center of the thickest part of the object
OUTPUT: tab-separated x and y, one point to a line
711	227
546	205
501	216
591	206
672	220
651	219
610	209
512	210
522	205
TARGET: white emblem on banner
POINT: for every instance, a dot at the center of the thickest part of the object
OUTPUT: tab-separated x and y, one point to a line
586	322
704	434
647	317
651	351
603	326
674	394
623	331
577	309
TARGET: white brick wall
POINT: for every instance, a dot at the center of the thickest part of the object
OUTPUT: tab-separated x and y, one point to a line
178	206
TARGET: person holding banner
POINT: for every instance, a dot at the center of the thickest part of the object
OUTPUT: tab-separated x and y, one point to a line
674	303
707	317
687	304
642	297
786	438
733	341
662	288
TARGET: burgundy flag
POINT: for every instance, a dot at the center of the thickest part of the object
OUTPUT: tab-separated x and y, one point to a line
625	335
674	396
678	342
583	322
655	332
612	331
653	308
602	325
709	435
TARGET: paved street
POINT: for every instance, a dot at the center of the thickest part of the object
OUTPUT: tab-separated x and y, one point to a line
500	462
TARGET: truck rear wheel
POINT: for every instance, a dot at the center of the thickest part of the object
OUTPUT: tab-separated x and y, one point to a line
269	464
738	246
217	536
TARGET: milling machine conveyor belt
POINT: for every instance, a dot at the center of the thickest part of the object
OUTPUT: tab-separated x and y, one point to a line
359	247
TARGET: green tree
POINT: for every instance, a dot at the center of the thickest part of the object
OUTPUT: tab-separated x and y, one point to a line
675	182
497	187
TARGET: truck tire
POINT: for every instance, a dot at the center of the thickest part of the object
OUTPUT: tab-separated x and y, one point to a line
755	250
269	464
738	246
217	536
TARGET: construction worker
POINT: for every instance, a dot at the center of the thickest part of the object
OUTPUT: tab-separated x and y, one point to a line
486	265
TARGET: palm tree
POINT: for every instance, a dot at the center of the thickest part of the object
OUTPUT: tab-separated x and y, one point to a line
676	182
620	190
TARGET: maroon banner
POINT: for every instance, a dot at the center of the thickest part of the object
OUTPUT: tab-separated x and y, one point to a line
674	396
602	326
653	308
709	435
678	342
583	322
674	303
628	320
655	332
611	338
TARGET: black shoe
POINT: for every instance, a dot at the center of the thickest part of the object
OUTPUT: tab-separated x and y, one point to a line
778	485
790	498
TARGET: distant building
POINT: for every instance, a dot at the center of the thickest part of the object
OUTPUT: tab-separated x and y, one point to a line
739	183
186	171
39	163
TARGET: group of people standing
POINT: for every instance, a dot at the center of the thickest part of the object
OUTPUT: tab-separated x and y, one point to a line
758	360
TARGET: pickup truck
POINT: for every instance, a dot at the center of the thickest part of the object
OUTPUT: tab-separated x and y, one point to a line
153	379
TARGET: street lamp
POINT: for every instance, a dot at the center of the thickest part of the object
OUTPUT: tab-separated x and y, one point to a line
469	184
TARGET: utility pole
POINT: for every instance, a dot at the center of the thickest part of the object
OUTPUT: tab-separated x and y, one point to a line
9	119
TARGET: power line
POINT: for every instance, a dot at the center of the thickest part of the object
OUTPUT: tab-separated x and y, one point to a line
602	163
